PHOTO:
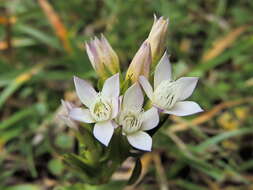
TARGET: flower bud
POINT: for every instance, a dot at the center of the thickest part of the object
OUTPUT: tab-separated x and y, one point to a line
102	57
67	107
140	64
157	38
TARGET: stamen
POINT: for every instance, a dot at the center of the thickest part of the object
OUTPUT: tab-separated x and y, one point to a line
101	109
131	122
166	95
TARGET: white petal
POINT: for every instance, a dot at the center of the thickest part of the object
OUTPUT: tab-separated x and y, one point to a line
133	98
111	87
140	140
103	132
162	71
150	119
85	91
80	114
184	108
187	86
115	107
146	86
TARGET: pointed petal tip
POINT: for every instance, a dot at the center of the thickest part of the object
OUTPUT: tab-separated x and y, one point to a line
185	108
76	79
155	18
146	86
111	86
145	44
87	46
165	55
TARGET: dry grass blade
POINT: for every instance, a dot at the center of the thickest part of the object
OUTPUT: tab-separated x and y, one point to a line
15	43
221	44
6	20
161	176
146	161
27	75
57	24
208	115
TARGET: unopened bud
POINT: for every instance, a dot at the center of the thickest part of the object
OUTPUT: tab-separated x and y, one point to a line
102	57
140	64
157	38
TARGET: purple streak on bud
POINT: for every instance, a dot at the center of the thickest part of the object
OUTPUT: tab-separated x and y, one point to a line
103	58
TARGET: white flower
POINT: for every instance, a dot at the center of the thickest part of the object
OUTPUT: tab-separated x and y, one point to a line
168	95
135	121
102	106
65	116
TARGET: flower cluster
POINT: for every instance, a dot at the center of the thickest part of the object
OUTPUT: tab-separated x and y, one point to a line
122	111
111	108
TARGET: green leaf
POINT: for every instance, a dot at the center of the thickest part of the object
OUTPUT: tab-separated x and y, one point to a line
220	137
187	185
39	35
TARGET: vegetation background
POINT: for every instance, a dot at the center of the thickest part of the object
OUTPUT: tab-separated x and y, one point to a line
42	47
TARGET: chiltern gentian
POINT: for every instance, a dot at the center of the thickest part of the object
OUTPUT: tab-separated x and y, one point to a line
135	121
102	106
168	95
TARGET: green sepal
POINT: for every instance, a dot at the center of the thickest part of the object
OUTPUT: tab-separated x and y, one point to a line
78	165
89	148
125	85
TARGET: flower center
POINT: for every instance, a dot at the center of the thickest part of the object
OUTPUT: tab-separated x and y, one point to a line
131	122
101	109
166	94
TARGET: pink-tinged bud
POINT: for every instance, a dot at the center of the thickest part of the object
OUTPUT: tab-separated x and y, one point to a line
67	107
102	57
140	64
157	38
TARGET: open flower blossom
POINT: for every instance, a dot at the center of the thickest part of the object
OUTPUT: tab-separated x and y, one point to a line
103	58
135	121
102	106
168	95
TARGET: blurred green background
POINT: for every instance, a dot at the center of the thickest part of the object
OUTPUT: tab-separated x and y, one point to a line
42	47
